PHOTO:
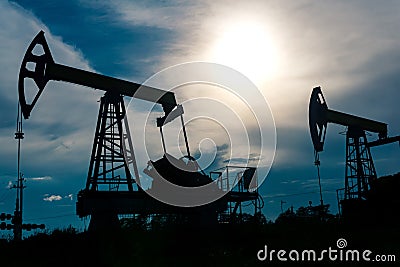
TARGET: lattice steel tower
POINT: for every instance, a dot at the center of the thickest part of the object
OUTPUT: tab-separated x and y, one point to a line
112	151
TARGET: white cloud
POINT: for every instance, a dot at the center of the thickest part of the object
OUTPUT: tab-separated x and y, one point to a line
42	178
170	15
52	198
184	20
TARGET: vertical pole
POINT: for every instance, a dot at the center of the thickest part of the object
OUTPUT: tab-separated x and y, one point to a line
255	207
99	138
347	194
184	134
163	140
338	203
130	144
360	171
21	193
19	187
318	163
227	179
90	176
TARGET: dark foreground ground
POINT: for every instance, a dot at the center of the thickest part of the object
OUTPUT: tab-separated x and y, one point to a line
222	246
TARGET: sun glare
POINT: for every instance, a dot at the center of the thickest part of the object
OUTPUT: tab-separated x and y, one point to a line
246	47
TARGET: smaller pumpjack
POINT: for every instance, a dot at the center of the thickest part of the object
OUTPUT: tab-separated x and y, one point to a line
361	175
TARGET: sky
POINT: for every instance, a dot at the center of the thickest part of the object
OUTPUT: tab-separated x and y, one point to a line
285	48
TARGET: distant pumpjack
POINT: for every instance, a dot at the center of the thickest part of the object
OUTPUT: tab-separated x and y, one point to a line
360	168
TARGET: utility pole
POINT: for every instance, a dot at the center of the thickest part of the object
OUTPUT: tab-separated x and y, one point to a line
17	219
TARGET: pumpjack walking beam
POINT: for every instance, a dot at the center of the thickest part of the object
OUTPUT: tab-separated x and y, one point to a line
46	69
320	116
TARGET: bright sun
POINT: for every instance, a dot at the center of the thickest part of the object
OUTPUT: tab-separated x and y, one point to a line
246	47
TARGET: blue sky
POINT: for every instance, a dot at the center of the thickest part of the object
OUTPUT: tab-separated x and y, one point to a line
349	48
